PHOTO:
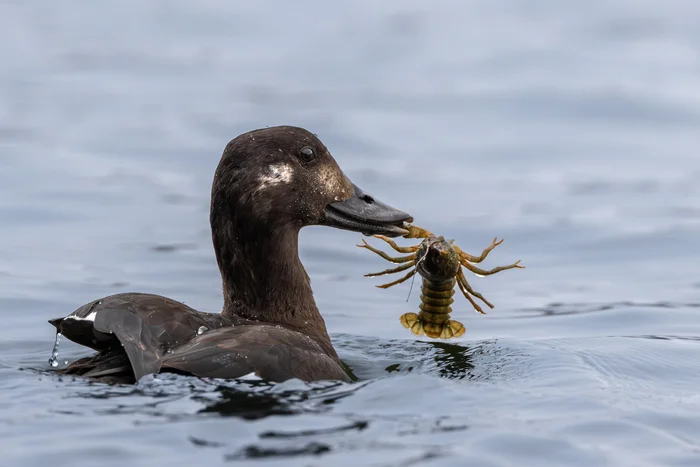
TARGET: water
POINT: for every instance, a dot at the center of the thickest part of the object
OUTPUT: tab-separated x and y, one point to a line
53	360
568	128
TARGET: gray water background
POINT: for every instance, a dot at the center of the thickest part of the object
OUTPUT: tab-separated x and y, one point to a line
569	128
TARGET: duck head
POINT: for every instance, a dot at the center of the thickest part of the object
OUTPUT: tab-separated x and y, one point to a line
285	178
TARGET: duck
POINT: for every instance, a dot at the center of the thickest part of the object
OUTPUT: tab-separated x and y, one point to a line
269	184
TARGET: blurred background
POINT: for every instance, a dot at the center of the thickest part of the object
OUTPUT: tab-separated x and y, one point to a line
568	128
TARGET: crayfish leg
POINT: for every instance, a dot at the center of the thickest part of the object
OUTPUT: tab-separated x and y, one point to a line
482	256
483	272
403	267
466	289
400	249
400	259
398	281
463	279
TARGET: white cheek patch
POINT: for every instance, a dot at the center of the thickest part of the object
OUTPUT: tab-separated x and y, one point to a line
332	182
276	174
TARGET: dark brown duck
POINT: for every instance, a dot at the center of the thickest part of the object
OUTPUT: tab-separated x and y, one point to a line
270	183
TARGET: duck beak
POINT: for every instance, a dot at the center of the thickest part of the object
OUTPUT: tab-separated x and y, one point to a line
365	214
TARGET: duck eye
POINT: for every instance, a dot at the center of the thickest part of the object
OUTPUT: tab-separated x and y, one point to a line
307	154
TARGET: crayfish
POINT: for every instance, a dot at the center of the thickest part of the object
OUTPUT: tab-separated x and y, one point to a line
439	262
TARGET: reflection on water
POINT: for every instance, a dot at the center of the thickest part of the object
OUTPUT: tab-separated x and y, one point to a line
255	452
249	405
453	361
259	400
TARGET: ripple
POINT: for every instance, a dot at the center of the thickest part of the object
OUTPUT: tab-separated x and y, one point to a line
356	426
258	452
173	247
563	309
637	367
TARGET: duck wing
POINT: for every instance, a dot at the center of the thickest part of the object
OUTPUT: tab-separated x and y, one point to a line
145	325
271	352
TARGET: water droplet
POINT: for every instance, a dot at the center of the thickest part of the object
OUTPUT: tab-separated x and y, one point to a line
202	330
478	275
53	361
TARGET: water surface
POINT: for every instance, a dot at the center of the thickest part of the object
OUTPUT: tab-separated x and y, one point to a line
570	129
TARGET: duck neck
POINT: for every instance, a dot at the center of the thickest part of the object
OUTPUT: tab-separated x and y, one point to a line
264	280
